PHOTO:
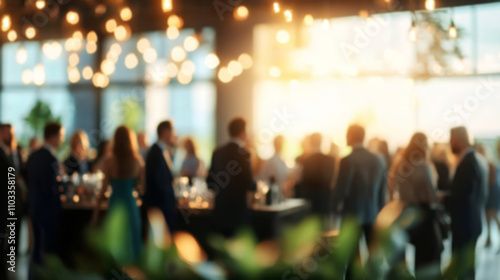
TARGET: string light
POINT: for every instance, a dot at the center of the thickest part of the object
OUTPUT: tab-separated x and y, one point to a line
12	35
6	23
110	25
282	37
21	55
275	72
100	80
39	74
172	33
73	59
52	50
288	16
212	61
308	19
166	5
143	44
40	4
188	67
430	5
178	54
235	68
72	17
191	43
245	60
131	61
73	74
122	32
30	32
224	75
175	21
241	13
107	67
171	69
92	36
91	47
126	14
87	73
276	7
452	31
150	55
27	76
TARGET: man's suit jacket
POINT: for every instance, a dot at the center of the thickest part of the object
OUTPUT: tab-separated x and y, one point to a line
43	195
317	173
159	190
361	185
467	198
230	177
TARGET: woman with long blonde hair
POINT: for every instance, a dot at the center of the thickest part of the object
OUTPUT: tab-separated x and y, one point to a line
124	171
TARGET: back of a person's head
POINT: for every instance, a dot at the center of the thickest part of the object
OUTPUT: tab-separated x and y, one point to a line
417	148
163	126
189	146
236	127
51	130
460	134
124	143
355	134
79	137
315	140
278	143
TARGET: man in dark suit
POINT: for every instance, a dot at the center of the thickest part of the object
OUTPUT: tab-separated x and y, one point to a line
159	190
44	200
361	185
11	154
230	177
466	203
316	178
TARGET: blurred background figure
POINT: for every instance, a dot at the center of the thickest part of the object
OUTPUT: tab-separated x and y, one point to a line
315	179
77	161
142	141
441	159
34	144
361	188
104	150
414	184
192	166
466	203
306	150
493	200
275	167
231	177
124	172
159	192
44	202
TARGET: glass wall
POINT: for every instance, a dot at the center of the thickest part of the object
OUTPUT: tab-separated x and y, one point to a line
146	79
376	72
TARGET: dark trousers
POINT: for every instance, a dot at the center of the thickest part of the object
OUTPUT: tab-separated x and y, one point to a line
367	231
427	263
463	263
46	236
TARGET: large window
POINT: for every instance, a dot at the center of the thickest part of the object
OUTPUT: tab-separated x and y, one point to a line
331	73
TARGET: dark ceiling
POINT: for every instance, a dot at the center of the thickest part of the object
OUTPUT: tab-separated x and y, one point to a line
148	15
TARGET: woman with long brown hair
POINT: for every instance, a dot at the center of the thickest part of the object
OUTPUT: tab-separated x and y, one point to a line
413	181
124	171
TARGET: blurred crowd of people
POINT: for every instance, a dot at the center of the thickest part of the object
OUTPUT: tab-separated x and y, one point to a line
452	178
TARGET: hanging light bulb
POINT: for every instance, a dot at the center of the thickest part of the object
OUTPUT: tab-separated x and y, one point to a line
6	23
12	35
72	17
30	32
276	7
452	31
21	55
326	24
430	5
240	13
166	5
288	15
39	74
412	34
40	4
308	19
126	14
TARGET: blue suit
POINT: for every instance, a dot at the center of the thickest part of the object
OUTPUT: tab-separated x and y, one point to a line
44	202
159	190
361	185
